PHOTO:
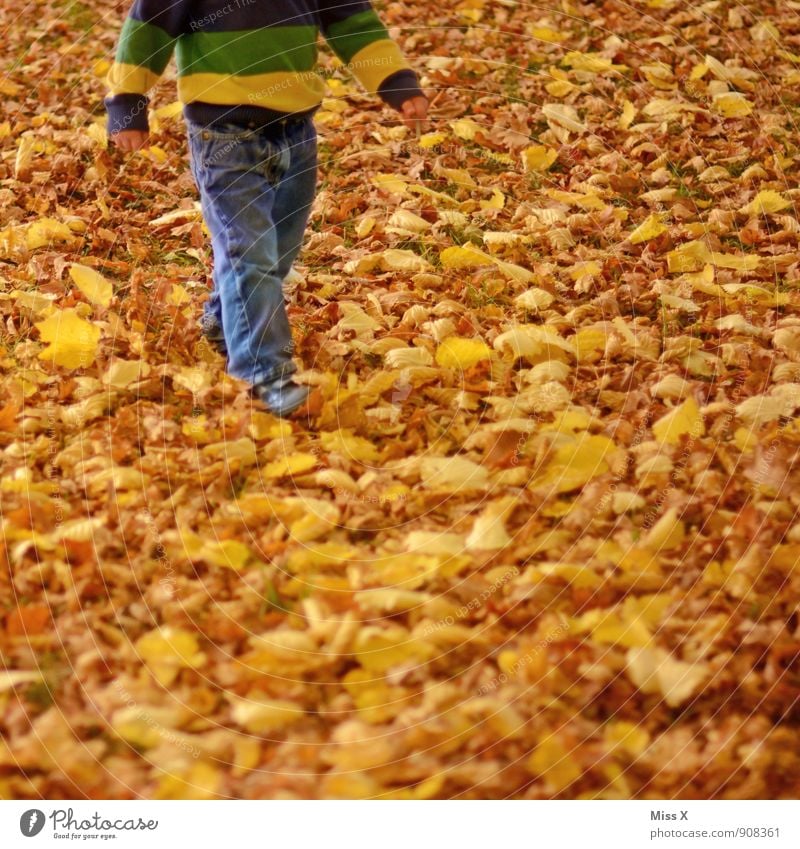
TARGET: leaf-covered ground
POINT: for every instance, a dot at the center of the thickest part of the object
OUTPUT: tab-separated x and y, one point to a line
541	538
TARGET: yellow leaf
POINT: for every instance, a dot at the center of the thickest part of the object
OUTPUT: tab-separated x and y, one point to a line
766	202
266	426
534	300
171	110
615	628
668	532
379	649
45	231
626	737
324	555
594	63
564	116
453	474
576	462
351	447
703	281
199	781
198	429
498	200
698	71
553	762
765	31
394	259
586	201
156	153
514	272
435	542
737	263
458	176
73	341
167	650
404	221
560	88
659	75
227	553
691	256
649	229
193	378
466	256
258	715
178	296
121	373
584	269
431	140
391	600
732	104
662	107
489	532
11	679
655	671
365	226
627	116
391	183
466	129
683	419
533	343
93	285
460	353
34	301
674	302
290	464
544	33
132	725
439	197
590	344
98	133
408	357
25	151
538	157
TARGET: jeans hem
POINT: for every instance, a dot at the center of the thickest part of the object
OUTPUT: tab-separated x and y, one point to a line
276	374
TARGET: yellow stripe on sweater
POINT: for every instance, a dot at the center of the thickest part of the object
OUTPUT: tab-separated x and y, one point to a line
130	79
375	62
283	91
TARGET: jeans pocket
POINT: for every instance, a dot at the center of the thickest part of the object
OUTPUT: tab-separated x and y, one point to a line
227	132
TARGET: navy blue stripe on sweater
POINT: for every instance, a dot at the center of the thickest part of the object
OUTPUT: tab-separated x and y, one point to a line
334	11
169	15
236	15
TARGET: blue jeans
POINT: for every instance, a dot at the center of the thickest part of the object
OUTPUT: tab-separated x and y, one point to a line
256	190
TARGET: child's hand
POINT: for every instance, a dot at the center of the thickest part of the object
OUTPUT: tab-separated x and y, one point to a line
415	111
130	139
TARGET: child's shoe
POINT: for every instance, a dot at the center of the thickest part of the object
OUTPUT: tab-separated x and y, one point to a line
282	396
212	332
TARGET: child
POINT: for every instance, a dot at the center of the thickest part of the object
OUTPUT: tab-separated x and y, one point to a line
246	79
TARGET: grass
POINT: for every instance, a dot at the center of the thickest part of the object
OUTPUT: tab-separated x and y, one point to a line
79	15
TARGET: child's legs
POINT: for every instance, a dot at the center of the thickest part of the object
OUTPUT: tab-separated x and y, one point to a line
294	198
295	193
237	174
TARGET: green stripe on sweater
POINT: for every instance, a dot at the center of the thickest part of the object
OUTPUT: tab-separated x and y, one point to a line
247	52
353	34
145	45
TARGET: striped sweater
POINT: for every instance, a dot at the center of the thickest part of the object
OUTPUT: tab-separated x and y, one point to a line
249	60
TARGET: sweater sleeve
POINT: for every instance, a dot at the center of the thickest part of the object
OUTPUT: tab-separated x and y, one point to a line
145	47
356	35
